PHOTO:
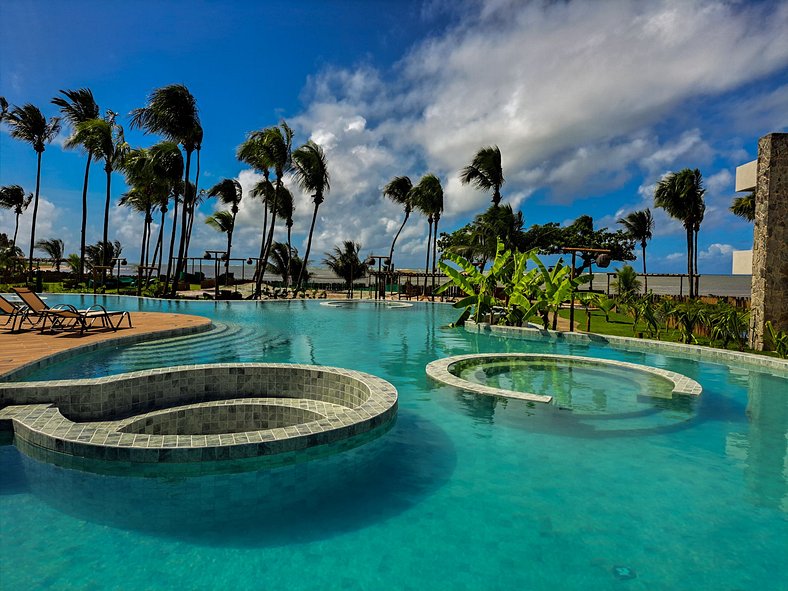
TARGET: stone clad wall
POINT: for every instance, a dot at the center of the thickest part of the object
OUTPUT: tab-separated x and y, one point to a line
770	240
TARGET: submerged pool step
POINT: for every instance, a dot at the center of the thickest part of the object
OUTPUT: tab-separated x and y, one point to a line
217	343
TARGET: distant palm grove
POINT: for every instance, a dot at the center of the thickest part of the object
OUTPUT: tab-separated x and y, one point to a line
165	177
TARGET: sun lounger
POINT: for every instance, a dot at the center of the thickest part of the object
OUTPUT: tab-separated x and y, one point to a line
67	316
13	313
70	317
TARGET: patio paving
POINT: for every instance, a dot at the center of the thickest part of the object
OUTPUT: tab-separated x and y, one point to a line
29	346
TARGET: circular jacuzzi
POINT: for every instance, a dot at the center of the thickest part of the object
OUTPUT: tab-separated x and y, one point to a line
199	412
584	384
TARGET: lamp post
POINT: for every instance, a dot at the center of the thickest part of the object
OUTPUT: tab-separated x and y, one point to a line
601	258
119	261
216	255
382	260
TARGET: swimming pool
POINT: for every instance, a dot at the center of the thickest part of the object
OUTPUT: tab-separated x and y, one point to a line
464	492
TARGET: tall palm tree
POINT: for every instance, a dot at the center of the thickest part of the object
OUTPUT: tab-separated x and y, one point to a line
485	172
29	125
229	192
428	198
744	206
171	111
104	139
200	194
167	163
267	149
78	106
55	250
640	225
254	152
680	194
13	197
311	173
398	190
284	203
344	262
144	193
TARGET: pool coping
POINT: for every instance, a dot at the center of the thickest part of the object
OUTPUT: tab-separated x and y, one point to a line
697	352
440	370
38	421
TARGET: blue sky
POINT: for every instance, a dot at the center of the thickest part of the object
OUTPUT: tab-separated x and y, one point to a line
590	103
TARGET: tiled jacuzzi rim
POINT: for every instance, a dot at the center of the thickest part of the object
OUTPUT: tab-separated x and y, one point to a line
697	352
41	424
440	370
25	369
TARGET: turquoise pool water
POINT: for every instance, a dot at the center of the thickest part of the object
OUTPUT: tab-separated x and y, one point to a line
464	492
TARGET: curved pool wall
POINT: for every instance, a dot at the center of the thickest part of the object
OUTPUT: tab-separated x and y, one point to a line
446	371
198	413
695	352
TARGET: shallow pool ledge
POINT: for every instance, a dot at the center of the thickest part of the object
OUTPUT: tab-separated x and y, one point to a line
444	371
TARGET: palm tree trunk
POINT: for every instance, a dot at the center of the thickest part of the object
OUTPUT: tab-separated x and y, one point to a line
697	275
434	255
16	226
308	246
33	223
142	246
105	234
427	264
267	252
191	209
81	271
172	244
289	254
645	276
264	262
393	242
689	262
184	211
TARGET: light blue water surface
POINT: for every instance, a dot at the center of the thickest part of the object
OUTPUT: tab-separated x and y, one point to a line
464	492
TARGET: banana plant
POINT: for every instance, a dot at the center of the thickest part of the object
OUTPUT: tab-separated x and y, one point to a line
478	286
555	286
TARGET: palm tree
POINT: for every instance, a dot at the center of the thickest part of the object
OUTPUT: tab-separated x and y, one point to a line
744	206
145	192
77	107
29	125
344	262
252	153
172	112
223	221
285	262
311	173
199	193
13	197
54	248
680	194
284	203
229	192
485	172
640	225
267	149
104	139
428	198
167	163
398	190
3	108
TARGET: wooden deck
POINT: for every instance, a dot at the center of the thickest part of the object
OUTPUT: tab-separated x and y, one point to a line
27	346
